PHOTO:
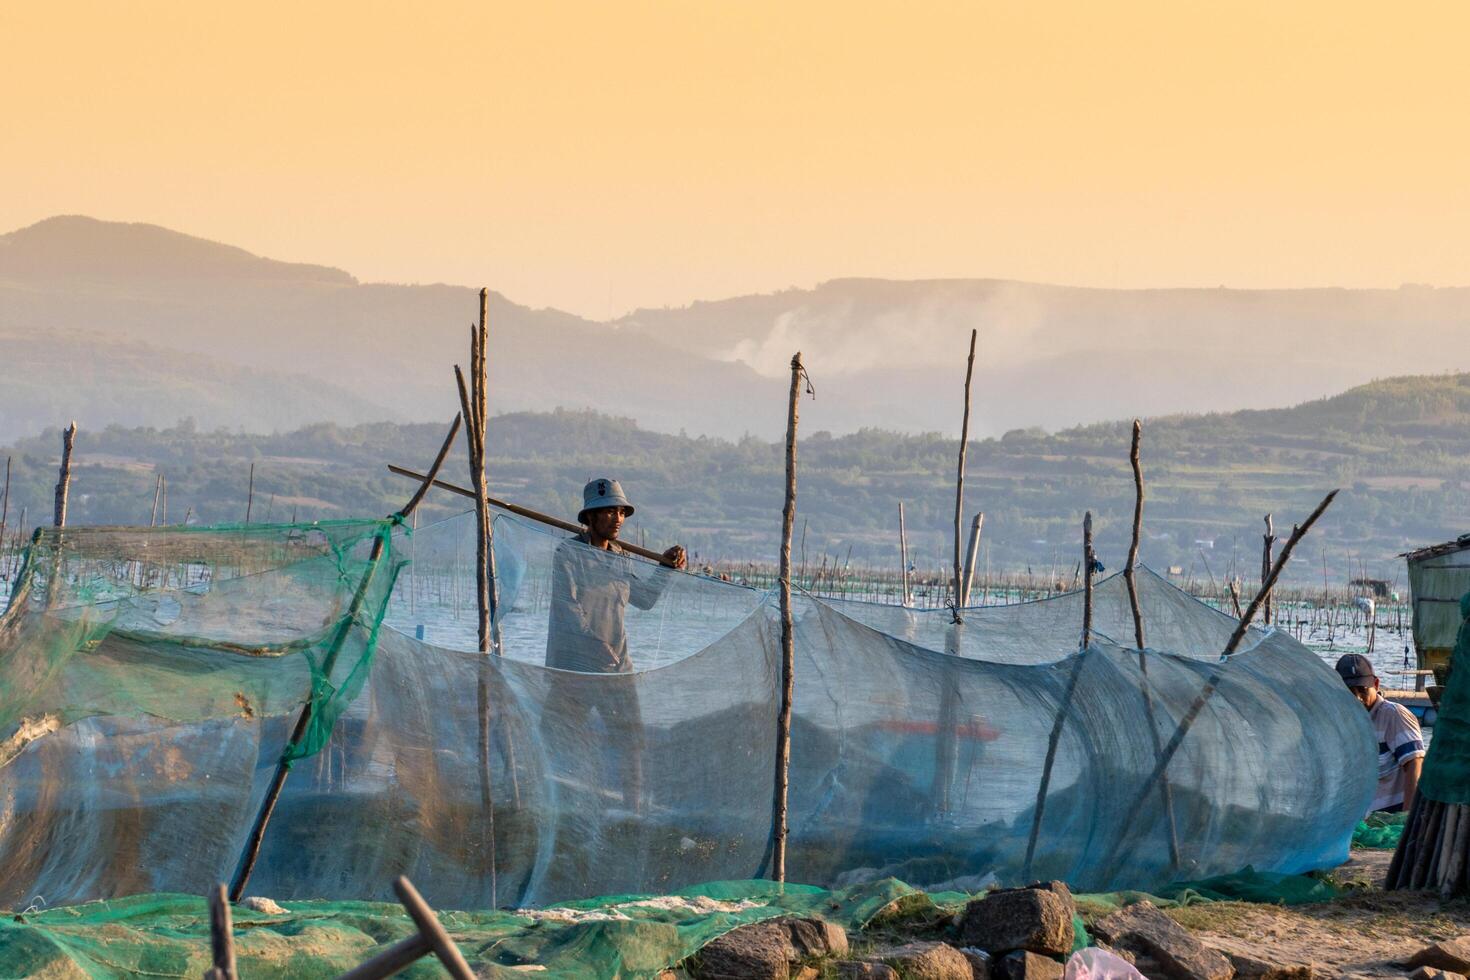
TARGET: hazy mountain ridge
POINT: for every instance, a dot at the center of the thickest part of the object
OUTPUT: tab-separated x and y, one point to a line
881	353
1400	449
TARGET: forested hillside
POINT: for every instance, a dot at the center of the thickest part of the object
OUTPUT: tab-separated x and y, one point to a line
1399	448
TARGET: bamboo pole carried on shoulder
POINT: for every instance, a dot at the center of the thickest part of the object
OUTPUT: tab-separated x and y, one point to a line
303	720
529	514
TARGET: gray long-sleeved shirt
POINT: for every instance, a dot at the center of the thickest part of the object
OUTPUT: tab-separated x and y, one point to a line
590	592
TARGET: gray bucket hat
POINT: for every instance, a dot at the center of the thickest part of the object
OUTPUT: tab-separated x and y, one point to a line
602	493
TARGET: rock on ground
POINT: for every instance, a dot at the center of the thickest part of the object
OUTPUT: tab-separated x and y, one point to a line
865	970
1025	965
1251	968
1160	946
1037	918
1452	955
770	950
928	961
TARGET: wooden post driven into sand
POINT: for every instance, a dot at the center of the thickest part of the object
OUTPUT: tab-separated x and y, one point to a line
283	768
221	937
959	483
1135	459
473	403
788	658
63	481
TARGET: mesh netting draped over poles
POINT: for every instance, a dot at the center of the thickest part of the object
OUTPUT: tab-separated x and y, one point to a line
149	678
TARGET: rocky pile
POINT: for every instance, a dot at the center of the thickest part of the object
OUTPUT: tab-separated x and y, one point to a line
1009	934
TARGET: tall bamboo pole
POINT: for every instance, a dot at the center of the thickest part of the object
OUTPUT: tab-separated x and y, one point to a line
157	493
788	664
959	483
63	482
903	554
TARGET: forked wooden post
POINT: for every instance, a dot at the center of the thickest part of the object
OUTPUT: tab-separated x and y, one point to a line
283	768
788	667
63	482
430	938
959	483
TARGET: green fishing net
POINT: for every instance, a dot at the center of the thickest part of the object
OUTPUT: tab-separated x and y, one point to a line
1446	775
1379	831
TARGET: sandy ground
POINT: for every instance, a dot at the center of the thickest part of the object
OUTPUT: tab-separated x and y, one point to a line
1363	934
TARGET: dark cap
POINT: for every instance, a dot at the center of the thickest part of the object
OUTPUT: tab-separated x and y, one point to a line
1356	670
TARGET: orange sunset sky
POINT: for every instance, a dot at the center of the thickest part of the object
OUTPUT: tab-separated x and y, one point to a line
602	156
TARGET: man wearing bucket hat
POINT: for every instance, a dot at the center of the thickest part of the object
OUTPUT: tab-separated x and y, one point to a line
1400	740
592	582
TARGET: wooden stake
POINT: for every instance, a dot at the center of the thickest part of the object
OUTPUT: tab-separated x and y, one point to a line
783	720
1297	533
250	494
1269	543
157	493
1087	562
903	552
63	482
1134	458
971	554
4	504
959	483
221	936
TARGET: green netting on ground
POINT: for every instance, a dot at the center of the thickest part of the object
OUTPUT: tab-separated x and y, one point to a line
1447	767
1380	831
628	936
